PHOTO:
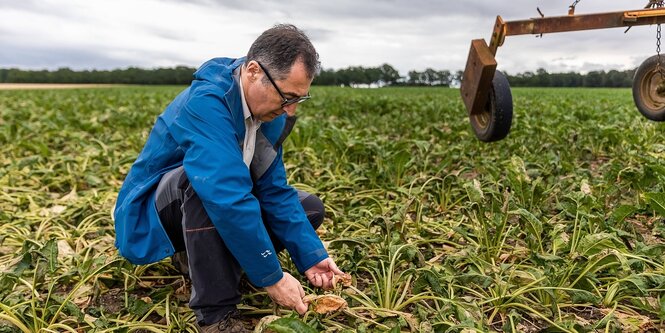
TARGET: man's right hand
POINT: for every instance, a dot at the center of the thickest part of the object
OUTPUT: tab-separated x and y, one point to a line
289	293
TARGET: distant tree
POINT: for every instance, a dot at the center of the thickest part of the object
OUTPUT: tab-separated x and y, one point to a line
326	78
594	79
615	79
430	77
66	75
413	78
445	78
373	75
457	78
389	75
353	75
542	78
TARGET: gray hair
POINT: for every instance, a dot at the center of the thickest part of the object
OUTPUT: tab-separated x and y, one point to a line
279	47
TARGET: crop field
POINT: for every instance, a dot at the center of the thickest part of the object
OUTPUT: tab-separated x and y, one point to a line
557	228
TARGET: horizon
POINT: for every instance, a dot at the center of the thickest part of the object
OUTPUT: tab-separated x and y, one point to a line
453	71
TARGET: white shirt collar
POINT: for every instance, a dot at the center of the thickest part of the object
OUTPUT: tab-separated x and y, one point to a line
245	109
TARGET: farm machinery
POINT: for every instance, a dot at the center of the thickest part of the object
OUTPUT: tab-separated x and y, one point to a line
486	92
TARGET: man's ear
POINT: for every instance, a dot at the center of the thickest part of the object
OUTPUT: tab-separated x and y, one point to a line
253	70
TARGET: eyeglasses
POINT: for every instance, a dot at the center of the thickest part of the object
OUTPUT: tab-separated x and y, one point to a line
285	101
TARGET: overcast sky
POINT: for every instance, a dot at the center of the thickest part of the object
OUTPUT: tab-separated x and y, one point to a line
408	34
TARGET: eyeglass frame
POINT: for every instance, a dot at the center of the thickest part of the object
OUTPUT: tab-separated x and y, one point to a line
285	101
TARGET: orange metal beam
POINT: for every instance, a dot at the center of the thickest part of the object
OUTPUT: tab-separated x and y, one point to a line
546	25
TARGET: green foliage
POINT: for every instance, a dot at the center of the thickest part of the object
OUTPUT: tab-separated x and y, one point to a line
559	227
290	325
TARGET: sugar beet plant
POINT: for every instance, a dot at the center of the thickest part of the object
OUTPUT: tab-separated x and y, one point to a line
557	228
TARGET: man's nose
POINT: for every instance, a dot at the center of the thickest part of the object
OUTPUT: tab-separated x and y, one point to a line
290	109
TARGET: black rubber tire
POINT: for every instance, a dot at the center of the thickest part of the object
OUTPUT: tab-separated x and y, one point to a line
493	124
649	89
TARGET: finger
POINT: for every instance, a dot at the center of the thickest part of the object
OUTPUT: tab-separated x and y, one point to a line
302	291
312	279
318	281
325	282
301	307
335	269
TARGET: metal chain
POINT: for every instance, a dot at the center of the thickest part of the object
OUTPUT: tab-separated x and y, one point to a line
658	4
571	8
655	4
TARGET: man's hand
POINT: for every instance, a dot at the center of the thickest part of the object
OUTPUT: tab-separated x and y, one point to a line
321	274
289	293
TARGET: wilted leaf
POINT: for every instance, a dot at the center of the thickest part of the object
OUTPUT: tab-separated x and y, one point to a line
325	303
585	188
64	250
632	322
474	191
262	326
345	280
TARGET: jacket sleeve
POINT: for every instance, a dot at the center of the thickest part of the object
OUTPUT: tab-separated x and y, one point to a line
285	216
213	163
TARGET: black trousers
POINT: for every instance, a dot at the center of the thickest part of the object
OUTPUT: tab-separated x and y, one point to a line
213	270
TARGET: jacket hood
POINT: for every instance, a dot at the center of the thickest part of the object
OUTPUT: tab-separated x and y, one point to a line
217	70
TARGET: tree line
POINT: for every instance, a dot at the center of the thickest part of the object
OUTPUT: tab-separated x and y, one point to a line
541	78
384	75
354	76
178	76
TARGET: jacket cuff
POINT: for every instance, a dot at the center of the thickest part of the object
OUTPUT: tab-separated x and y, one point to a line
313	259
268	280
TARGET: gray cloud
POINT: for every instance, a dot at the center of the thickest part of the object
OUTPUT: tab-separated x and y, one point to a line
318	35
82	58
28	5
411	9
406	34
43	8
49	58
371	9
170	34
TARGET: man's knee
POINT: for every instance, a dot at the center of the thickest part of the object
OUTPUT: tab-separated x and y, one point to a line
314	208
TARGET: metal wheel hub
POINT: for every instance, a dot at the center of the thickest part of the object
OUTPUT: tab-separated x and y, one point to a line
653	89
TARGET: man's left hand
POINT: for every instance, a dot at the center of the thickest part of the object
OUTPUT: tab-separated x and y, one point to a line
321	274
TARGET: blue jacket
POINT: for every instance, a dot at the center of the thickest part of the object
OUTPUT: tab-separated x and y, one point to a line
203	129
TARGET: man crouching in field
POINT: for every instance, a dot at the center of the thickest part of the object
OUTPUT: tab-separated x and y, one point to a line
210	184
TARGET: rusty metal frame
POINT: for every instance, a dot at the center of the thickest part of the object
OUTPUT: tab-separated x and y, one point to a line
481	66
